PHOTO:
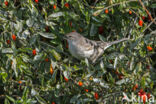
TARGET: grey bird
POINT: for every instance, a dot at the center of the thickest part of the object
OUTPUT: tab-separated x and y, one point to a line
81	47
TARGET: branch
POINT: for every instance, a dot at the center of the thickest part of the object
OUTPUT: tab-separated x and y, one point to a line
147	11
98	11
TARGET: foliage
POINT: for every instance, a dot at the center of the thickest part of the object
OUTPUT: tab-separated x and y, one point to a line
37	68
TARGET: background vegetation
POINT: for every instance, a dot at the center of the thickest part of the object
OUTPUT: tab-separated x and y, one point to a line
37	68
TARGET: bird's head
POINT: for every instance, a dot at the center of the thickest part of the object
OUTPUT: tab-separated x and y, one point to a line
72	36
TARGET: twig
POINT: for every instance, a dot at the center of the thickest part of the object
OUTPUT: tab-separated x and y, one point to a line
98	12
149	25
147	11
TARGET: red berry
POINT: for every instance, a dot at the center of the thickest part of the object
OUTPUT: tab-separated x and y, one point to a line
66	79
148	95
130	12
140	23
14	37
143	17
51	69
53	103
135	87
47	29
86	90
36	1
66	5
54	6
106	11
141	92
20	82
80	83
34	52
144	98
149	48
96	96
8	41
100	30
6	3
46	59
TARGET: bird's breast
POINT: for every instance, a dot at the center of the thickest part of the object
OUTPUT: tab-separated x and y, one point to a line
79	51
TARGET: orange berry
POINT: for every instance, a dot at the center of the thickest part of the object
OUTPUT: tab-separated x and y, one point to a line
34	52
14	37
8	41
140	23
86	90
6	3
46	59
66	79
96	95
106	11
149	48
73	30
100	30
130	12
54	7
80	83
66	5
51	69
36	1
19	82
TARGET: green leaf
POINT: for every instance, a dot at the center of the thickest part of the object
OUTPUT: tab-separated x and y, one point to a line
48	35
54	76
4	76
54	15
11	99
56	55
25	93
7	50
122	81
30	22
93	30
38	57
153	5
40	100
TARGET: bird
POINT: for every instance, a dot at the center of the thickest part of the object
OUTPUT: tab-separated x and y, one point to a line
81	47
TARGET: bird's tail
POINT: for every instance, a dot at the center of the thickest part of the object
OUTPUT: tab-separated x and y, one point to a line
115	42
